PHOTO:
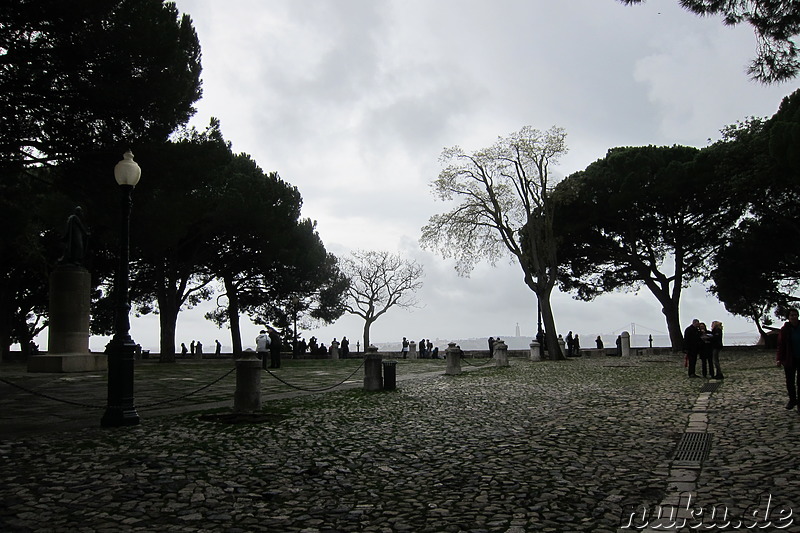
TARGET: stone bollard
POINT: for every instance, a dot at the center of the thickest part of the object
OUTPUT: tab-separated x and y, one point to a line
453	360
501	353
373	370
561	344
626	344
536	354
247	397
412	350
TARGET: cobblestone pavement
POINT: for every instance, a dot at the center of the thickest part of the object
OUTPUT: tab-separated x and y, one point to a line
579	445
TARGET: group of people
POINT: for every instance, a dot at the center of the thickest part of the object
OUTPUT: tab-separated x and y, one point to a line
196	348
425	349
573	345
314	347
268	341
700	342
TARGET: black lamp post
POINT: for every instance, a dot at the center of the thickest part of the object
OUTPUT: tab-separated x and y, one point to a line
120	410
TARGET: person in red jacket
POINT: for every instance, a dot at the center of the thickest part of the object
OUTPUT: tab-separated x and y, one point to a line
789	356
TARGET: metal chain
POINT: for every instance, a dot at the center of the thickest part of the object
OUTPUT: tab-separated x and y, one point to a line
89	406
489	360
149	405
43	395
314	390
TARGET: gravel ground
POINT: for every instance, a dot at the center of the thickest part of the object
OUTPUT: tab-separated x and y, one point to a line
538	446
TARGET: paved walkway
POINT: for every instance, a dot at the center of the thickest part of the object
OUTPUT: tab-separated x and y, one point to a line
580	445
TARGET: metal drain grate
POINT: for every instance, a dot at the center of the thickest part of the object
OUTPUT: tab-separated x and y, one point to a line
710	387
692	449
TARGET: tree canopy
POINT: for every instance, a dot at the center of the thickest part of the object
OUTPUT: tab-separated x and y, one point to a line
776	24
651	216
757	271
80	82
503	206
78	76
270	262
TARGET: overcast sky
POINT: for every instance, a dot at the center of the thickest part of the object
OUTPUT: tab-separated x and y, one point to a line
352	101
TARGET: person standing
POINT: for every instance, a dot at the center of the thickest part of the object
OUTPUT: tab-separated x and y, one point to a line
262	347
191	345
716	346
576	346
345	347
599	342
491	347
691	346
405	347
274	348
219	346
789	356
570	344
705	350
184	349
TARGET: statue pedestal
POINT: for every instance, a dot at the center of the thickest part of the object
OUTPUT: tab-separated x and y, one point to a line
68	338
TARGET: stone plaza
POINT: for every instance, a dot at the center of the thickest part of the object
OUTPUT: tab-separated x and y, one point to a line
587	444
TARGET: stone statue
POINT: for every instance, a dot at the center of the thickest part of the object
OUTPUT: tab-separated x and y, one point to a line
76	240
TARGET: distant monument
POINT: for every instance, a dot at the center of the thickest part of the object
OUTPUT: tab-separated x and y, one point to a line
68	329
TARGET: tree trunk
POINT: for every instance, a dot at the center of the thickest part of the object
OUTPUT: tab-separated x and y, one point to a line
367	324
551	334
5	347
670	310
167	320
233	316
168	309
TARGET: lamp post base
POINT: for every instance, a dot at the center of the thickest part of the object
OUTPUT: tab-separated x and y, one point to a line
120	410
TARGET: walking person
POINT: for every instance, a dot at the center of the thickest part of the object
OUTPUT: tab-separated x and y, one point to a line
691	346
789	356
716	347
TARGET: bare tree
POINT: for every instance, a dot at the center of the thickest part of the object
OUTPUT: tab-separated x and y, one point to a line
504	206
378	282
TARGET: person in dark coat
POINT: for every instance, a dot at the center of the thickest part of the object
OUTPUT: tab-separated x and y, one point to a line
691	346
274	348
789	356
